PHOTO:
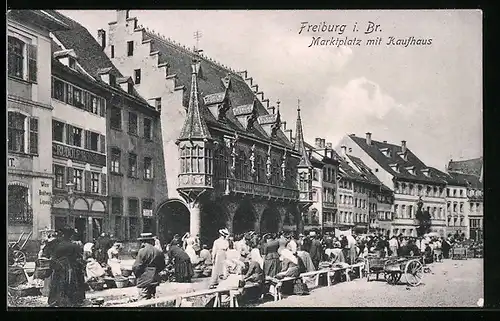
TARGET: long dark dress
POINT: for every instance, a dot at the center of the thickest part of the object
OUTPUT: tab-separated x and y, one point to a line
272	264
315	252
67	280
183	269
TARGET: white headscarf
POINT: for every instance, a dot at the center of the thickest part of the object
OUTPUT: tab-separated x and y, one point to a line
351	241
292	246
287	254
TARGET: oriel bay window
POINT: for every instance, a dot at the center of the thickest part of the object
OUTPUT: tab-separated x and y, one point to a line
192	159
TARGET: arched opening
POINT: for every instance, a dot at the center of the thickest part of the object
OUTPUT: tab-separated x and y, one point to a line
173	218
244	218
213	218
270	221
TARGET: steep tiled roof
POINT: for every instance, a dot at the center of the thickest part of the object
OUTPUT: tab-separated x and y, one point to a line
367	173
459	179
299	144
210	81
194	125
469	166
90	55
374	151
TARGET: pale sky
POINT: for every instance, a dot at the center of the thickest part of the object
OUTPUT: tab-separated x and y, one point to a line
430	96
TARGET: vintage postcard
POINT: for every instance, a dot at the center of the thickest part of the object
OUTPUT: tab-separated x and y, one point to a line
245	158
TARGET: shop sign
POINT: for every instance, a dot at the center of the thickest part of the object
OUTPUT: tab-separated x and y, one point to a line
78	154
147	213
45	193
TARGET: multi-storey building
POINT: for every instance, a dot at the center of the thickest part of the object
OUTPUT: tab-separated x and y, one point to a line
29	125
410	179
465	197
227	161
378	196
321	215
133	174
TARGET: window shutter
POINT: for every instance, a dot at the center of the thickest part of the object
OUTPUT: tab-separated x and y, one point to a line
87	181
32	63
52	87
102	107
69	94
102	140
69	175
86	144
33	137
103	184
69	134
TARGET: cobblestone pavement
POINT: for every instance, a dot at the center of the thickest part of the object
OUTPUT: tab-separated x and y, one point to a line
450	284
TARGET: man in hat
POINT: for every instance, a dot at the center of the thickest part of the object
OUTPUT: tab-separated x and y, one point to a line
315	250
148	264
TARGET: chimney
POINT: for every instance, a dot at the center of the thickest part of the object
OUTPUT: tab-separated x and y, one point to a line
283	123
329	145
322	143
344	150
101	38
385	142
368	138
122	15
403	146
317	142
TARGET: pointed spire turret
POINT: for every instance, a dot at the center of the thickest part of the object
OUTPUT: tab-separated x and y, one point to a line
299	144
194	125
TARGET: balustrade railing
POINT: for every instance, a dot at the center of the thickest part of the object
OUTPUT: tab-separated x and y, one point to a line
255	188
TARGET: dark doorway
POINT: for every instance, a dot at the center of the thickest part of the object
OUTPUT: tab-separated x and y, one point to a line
213	218
173	219
270	221
97	227
244	218
81	229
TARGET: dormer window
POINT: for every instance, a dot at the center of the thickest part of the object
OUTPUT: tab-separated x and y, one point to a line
411	170
72	63
403	155
395	167
425	171
386	151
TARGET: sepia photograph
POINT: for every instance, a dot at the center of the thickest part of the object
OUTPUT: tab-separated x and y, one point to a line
245	158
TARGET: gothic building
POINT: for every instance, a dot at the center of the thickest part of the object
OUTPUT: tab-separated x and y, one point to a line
227	161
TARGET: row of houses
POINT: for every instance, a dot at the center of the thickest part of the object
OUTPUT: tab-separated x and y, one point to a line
130	132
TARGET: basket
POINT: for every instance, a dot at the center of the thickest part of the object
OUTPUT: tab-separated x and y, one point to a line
110	283
126	272
121	282
132	280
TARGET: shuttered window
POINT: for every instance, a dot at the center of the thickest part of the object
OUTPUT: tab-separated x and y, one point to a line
32	63
33	135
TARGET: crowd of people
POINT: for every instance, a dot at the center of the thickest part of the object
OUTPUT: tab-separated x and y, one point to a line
232	260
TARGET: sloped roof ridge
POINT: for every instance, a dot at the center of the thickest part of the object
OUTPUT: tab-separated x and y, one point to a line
178	45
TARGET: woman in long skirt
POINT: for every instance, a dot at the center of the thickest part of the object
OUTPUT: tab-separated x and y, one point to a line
219	256
272	264
183	269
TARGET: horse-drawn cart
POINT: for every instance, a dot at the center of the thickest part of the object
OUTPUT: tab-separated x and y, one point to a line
394	268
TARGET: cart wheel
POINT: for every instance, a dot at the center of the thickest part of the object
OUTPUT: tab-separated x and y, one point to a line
414	272
391	278
19	258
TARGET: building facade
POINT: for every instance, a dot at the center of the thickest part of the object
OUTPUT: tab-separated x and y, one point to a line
227	161
465	197
408	177
78	148
29	115
133	175
321	214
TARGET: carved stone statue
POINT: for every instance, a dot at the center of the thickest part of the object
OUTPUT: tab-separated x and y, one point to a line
268	164
252	160
283	167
